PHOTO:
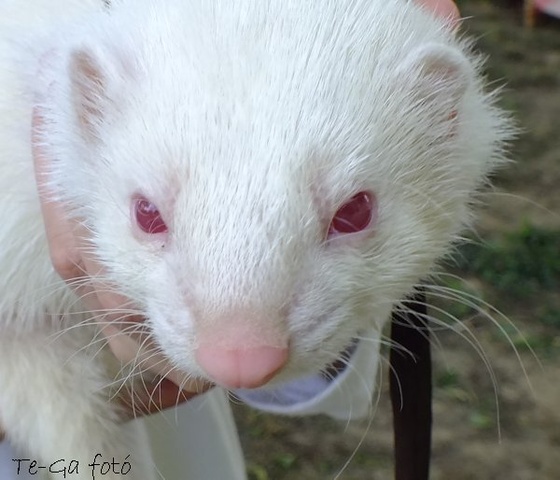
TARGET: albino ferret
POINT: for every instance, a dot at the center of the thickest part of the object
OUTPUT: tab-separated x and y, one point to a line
264	180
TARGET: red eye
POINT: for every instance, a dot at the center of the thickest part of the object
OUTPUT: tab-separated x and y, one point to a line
148	217
354	216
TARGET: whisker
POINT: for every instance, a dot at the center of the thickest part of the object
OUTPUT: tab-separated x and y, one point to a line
471	301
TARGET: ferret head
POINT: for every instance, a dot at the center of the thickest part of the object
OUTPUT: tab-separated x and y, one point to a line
262	187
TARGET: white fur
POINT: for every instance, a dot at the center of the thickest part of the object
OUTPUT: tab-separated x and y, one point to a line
248	123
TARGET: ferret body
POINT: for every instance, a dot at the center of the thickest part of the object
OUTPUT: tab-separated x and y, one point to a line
248	132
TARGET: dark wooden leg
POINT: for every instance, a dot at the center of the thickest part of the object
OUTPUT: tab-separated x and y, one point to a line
411	390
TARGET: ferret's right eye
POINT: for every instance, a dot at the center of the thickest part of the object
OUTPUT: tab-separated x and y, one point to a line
147	217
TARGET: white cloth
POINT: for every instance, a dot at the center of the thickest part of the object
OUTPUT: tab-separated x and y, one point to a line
198	440
8	468
346	397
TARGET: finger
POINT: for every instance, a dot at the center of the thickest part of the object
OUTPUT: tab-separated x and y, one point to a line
445	9
139	350
59	228
170	388
107	296
155	397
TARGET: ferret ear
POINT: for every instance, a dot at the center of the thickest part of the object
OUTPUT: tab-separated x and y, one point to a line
98	81
89	83
438	71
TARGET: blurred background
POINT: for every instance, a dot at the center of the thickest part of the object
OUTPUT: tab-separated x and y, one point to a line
496	413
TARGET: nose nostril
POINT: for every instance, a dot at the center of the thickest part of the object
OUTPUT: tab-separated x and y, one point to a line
241	368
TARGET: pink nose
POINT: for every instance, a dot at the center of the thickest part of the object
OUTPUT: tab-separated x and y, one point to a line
241	368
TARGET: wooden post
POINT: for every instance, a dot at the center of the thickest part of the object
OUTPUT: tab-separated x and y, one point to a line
411	390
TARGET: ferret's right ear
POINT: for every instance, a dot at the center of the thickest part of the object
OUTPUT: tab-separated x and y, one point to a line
94	82
88	83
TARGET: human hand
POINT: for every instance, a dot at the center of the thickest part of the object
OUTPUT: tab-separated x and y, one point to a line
68	247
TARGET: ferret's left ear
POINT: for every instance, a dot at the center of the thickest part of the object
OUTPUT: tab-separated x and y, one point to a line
437	70
96	81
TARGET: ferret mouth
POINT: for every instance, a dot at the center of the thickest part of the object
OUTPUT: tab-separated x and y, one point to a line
287	397
334	369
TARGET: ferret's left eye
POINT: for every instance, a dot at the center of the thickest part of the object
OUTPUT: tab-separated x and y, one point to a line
354	216
148	218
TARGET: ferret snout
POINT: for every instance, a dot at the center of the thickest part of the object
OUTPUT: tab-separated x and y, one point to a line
243	367
241	351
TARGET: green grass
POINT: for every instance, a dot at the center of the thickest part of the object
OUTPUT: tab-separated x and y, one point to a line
520	263
550	316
